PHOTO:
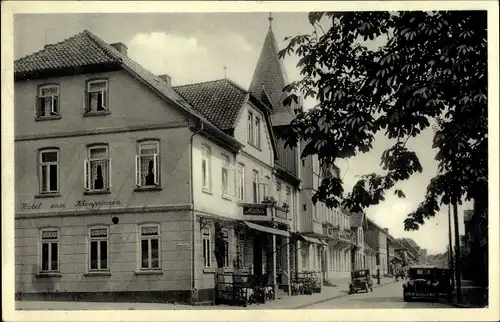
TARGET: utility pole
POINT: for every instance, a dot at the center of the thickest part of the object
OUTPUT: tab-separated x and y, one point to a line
450	248
457	252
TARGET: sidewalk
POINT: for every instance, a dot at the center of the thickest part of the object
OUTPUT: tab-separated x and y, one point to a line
289	302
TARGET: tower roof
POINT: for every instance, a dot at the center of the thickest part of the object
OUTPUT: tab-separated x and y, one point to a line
270	78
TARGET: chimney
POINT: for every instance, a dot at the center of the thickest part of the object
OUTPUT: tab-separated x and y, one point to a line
166	78
121	47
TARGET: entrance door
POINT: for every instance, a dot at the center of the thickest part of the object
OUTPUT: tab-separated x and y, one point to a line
257	255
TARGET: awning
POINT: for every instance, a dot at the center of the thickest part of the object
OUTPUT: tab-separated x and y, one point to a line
309	239
267	229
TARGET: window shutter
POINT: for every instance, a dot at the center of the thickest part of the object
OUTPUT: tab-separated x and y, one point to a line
137	171
109	173
155	168
54	107
86	107
37	106
103	99
230	174
86	173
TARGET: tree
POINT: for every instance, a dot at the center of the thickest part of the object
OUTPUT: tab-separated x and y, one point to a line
430	69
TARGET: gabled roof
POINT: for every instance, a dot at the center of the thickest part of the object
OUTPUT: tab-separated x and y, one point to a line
86	50
77	51
269	79
221	101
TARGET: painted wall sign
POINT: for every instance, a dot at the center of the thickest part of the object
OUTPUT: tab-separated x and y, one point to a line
31	206
183	245
92	204
255	211
78	204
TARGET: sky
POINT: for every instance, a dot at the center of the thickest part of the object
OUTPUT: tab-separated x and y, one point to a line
195	47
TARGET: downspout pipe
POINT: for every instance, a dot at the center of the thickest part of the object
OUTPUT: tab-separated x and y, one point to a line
194	296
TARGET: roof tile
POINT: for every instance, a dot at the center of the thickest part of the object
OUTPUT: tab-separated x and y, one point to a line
85	49
269	79
219	101
76	51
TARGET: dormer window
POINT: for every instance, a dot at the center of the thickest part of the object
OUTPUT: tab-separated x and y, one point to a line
96	96
254	129
47	101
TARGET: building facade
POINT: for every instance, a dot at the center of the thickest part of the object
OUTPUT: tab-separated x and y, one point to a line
376	238
111	211
358	226
157	191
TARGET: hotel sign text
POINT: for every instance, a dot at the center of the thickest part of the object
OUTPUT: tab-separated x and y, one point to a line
78	204
254	210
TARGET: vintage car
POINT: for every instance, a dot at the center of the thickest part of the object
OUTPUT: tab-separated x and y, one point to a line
423	283
360	280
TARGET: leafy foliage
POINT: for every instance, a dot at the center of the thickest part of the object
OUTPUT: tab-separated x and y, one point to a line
429	67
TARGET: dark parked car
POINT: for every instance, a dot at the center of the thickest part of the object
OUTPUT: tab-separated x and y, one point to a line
360	280
423	283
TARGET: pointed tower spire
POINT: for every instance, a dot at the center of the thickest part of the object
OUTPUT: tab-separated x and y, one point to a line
270	78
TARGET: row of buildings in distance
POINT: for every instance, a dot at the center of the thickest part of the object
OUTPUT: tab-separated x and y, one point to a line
123	181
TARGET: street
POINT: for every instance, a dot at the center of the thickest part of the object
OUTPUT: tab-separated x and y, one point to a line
389	296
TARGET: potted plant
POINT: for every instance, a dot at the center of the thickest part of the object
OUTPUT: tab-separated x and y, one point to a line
269	200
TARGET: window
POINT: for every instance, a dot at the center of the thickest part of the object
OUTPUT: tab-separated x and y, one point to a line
225	175
288	197
225	234
147	164
50	250
257	132
255	186
97	96
240	182
265	186
98	249
97	169
207	255
278	192
49	171
48	101
205	168
250	127
150	243
318	254
305	258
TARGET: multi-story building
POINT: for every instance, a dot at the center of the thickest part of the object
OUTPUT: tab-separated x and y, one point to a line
358	226
411	250
269	78
164	173
329	225
394	258
376	237
315	222
370	259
